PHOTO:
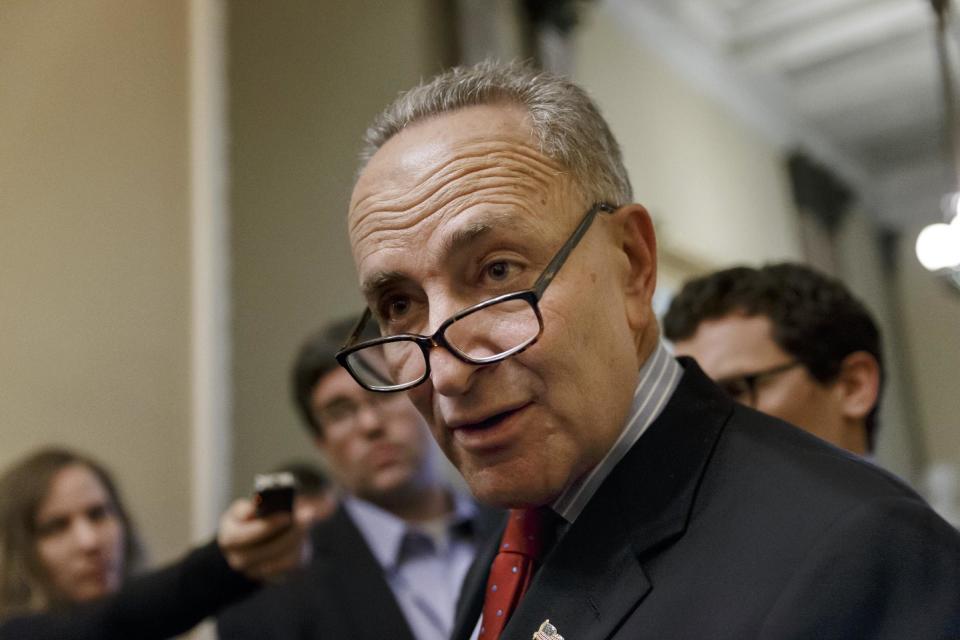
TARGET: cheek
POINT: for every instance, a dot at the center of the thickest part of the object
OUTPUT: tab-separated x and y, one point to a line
585	324
416	437
405	413
56	560
421	398
115	534
777	402
341	453
578	351
350	451
53	553
793	403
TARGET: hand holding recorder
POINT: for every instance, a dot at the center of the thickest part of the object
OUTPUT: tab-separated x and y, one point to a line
264	538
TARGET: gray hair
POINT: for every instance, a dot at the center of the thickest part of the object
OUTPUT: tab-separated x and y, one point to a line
565	121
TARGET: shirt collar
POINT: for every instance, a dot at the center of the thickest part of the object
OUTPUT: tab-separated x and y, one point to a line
384	532
463	519
657	380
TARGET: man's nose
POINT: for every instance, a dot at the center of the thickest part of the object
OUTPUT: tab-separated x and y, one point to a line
449	375
370	418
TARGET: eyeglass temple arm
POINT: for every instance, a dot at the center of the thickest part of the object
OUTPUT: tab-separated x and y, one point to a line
551	269
358	328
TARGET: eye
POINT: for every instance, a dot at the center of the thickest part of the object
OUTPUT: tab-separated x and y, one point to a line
501	272
98	513
393	307
399	311
337	410
52	527
498	271
398	307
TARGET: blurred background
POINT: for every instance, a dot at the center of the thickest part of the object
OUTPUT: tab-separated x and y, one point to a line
174	178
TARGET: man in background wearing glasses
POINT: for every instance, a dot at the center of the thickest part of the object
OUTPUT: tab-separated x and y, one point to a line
391	560
510	273
788	341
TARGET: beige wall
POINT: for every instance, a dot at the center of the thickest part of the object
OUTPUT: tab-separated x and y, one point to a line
718	192
305	82
94	245
930	310
901	445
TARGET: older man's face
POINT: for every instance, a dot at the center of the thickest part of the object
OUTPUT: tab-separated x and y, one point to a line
462	207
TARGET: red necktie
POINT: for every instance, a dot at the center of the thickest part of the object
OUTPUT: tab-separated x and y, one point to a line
512	570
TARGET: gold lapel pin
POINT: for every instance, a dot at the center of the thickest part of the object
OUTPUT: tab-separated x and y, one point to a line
547	632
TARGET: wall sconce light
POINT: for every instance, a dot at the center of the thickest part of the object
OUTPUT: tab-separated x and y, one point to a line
938	245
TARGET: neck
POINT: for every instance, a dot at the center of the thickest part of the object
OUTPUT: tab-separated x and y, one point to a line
646	343
419	503
855	438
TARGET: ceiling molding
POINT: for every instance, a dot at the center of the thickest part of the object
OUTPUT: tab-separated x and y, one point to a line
914	194
835	36
760	101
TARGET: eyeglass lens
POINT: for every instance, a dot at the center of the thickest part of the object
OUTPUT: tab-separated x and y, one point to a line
484	334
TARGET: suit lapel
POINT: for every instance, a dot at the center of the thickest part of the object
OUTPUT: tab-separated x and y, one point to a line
588	583
658	487
470	603
594	577
361	587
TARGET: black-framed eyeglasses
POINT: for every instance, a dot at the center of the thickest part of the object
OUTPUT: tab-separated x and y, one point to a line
743	388
484	333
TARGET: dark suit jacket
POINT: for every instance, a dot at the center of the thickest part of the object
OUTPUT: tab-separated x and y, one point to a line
342	595
724	523
157	605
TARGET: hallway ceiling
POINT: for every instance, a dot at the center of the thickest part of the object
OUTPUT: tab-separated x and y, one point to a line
860	76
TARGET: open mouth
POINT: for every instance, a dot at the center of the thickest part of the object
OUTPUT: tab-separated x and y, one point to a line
490	422
495	432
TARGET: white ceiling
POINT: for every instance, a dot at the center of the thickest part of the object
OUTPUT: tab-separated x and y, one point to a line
855	82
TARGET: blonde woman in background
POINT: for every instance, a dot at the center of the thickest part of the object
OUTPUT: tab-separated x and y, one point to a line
65	535
67	547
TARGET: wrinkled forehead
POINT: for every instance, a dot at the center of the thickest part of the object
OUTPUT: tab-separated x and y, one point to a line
437	169
419	149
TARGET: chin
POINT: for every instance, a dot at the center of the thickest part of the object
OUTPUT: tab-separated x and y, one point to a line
389	485
92	592
509	491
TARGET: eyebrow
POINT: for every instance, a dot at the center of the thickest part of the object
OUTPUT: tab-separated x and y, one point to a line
379	281
457	241
463	237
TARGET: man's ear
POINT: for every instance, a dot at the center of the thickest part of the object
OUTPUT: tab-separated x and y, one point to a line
859	384
640	249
